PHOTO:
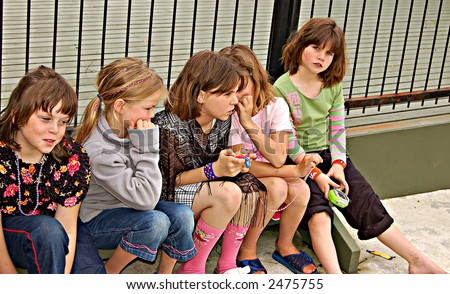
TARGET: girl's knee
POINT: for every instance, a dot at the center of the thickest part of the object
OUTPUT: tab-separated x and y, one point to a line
277	189
300	195
155	221
183	217
230	197
185	213
320	221
49	230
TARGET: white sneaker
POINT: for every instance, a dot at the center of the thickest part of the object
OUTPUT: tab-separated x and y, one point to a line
239	270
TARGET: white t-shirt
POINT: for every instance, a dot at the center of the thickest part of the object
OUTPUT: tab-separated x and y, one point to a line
273	118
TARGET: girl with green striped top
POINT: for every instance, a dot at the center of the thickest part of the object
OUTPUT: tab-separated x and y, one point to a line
315	63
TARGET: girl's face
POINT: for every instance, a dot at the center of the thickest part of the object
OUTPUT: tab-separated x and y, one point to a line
142	110
248	92
42	132
317	58
218	106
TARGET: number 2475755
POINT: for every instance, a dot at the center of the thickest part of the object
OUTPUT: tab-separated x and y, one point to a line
295	284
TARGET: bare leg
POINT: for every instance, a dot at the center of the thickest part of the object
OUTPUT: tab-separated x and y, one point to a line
298	192
322	242
166	264
118	261
418	262
277	191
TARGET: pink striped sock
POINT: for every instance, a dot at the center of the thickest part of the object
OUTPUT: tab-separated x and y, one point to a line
205	237
232	240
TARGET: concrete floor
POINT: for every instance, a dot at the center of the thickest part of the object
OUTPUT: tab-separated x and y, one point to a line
423	218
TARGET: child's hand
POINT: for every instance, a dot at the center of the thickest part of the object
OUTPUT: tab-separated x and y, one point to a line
227	165
248	157
324	182
336	171
245	110
141	124
308	162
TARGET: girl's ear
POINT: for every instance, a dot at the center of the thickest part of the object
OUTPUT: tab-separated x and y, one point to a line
119	105
201	98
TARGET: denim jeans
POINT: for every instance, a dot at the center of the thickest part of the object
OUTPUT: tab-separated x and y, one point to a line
39	244
169	227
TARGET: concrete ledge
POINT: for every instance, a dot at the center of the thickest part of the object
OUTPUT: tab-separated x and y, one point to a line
398	126
404	157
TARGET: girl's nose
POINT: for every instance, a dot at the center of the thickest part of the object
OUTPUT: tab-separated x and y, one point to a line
234	99
53	127
321	55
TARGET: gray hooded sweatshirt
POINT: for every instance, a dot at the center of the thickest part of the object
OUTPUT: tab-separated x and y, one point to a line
125	172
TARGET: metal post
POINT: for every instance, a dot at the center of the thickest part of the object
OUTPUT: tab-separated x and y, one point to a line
284	21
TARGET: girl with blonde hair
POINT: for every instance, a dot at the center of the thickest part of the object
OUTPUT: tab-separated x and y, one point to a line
123	210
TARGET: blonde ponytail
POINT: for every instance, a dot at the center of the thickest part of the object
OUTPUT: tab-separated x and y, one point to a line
89	120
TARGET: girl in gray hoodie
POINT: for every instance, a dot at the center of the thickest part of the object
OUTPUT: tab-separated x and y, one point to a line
122	209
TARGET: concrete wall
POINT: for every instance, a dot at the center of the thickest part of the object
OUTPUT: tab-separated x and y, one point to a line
403	158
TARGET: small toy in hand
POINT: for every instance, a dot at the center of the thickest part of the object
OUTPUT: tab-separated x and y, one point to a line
338	198
244	154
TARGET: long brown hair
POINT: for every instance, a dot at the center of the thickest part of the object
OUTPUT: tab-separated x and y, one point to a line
205	71
320	32
41	88
126	78
246	59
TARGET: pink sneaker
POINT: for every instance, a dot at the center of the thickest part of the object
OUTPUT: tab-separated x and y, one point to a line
276	216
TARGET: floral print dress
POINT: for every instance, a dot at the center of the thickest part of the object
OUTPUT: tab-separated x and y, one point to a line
42	185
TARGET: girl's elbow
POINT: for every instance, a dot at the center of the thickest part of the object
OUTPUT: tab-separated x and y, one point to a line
279	162
147	205
280	159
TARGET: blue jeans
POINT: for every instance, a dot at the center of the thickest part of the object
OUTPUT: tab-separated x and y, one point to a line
39	244
169	227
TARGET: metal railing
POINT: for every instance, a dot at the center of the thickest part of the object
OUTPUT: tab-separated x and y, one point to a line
394	46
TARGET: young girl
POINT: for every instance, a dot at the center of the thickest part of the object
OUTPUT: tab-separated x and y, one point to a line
122	210
315	61
44	177
198	169
261	125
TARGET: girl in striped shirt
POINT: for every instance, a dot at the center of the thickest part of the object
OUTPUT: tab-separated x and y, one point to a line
315	63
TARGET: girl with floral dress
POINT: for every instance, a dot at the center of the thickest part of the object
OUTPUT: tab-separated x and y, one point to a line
44	177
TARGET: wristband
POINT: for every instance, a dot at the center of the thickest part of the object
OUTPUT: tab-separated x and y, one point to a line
315	172
209	173
340	162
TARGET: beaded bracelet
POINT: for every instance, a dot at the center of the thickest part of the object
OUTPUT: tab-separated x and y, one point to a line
315	172
209	173
340	162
